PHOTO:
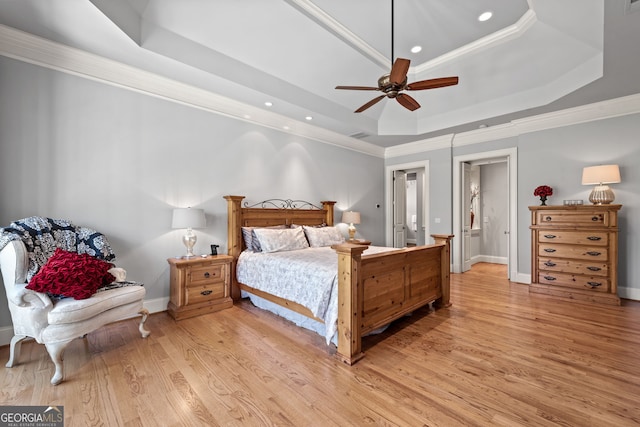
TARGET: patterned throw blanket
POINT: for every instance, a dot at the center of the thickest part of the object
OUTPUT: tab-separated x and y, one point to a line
42	236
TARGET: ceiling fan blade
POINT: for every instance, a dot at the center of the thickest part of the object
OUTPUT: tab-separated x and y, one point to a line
357	87
432	83
399	71
407	102
369	104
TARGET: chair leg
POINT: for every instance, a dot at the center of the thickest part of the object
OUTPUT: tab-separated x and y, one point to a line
56	350
14	350
145	313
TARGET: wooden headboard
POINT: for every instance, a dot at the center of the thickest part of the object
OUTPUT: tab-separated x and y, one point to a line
267	213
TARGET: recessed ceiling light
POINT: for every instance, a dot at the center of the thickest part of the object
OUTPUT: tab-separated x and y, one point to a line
268	103
485	16
285	127
416	49
309	118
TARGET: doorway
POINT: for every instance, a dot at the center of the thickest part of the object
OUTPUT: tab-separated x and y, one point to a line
407	207
463	232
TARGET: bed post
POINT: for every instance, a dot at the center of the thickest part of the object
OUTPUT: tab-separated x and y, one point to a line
445	268
327	206
350	299
234	238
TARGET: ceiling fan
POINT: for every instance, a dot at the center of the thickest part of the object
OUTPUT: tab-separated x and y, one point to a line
395	82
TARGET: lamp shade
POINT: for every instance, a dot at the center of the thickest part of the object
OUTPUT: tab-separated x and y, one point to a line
351	217
602	174
188	218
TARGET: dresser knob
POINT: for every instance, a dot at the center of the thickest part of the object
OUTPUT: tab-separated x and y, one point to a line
548	218
594	238
550	264
551	278
549	236
207	274
205	293
594	253
594	268
594	284
595	218
549	250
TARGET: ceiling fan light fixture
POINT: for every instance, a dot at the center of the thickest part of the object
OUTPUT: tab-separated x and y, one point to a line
485	16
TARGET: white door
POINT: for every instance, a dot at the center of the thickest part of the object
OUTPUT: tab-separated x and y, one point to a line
399	204
466	216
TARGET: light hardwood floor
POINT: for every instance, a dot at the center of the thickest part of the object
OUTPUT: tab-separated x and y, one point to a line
498	357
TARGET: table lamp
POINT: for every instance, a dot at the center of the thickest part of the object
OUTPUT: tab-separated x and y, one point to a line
188	218
351	218
600	176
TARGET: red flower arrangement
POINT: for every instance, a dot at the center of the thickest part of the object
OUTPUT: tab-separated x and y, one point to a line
543	191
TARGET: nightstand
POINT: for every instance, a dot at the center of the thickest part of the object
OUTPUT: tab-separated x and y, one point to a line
199	285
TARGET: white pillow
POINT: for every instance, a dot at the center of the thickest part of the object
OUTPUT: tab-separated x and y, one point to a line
288	239
324	236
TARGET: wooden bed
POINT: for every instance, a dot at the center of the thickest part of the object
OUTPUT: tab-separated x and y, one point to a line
373	290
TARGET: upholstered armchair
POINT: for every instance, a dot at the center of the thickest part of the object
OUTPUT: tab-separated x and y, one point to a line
28	248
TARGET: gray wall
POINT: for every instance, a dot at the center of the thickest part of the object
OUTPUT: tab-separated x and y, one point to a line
119	161
555	157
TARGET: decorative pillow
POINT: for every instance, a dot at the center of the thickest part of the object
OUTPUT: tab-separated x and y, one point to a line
324	236
72	275
288	239
252	243
324	224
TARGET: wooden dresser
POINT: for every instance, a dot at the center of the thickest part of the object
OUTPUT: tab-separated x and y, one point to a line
574	252
199	285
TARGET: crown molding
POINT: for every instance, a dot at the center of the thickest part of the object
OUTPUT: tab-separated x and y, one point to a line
571	116
39	51
421	146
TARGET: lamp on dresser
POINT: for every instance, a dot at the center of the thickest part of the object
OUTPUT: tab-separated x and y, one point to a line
188	218
600	176
351	217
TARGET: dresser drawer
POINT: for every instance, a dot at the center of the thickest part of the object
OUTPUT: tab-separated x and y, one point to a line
205	274
203	293
573	267
573	251
595	238
574	218
593	283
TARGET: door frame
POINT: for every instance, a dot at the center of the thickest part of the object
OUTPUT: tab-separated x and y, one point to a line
511	154
388	190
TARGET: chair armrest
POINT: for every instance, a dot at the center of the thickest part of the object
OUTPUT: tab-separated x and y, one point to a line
23	297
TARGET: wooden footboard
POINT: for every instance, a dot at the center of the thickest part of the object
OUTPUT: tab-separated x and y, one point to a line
377	289
373	289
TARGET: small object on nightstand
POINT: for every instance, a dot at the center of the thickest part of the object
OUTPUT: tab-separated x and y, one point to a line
199	285
359	241
214	249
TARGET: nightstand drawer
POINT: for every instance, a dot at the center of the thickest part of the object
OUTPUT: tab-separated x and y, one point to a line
593	283
573	267
203	293
205	274
576	252
595	238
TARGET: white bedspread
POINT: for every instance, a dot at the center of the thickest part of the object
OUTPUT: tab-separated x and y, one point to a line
307	277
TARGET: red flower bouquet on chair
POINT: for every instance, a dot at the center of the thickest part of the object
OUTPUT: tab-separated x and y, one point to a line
543	192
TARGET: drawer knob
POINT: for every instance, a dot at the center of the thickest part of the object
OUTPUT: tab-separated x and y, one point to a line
549	250
594	268
595	218
550	278
594	238
594	253
547	218
594	284
207	275
550	264
549	236
205	293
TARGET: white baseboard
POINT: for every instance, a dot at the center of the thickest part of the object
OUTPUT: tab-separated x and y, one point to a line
154	306
629	293
489	259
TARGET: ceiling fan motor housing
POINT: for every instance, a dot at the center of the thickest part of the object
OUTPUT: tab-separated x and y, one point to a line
390	89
